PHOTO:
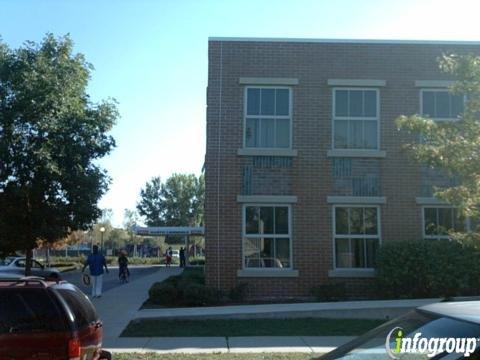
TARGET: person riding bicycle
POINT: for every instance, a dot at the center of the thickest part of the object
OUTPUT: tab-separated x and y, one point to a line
123	272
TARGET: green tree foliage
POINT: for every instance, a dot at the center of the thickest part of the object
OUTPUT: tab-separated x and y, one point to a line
51	135
177	202
453	147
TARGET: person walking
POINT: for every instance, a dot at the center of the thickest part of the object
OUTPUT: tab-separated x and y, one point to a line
123	272
182	257
168	257
96	262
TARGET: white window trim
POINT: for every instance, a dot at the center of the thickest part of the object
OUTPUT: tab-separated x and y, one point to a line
377	118
289	235
290	116
267	81
334	236
356	82
438	206
443	89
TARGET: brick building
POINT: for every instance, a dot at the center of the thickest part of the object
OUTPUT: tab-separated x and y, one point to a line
305	172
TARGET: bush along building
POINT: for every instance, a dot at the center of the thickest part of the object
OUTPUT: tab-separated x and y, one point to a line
305	173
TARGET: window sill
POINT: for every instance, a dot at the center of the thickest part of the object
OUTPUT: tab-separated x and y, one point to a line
429	201
352	273
262	273
267	199
356	153
266	152
356	200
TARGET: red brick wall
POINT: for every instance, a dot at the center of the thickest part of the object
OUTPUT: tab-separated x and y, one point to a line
311	174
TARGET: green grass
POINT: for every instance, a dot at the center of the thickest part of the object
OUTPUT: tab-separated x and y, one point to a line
249	327
230	356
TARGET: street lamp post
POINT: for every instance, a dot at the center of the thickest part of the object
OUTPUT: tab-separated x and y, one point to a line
102	230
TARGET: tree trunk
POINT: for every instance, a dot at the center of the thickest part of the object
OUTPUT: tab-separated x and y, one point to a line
28	262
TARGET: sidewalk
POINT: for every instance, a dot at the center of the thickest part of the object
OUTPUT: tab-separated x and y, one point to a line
118	306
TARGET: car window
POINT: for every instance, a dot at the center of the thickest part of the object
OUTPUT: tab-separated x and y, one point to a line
36	265
20	263
29	310
81	307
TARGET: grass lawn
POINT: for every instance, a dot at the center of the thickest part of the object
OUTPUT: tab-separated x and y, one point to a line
249	327
263	356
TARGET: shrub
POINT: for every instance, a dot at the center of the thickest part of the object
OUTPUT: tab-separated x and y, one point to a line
163	294
193	276
329	292
239	292
427	268
200	295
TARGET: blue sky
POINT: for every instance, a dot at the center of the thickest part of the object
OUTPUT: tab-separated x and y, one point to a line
152	57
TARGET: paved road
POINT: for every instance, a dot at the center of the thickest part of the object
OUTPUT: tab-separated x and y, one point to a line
110	280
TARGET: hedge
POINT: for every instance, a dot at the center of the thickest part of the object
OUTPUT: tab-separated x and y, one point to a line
427	268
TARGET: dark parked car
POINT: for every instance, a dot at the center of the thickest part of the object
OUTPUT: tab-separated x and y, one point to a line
16	265
441	329
47	320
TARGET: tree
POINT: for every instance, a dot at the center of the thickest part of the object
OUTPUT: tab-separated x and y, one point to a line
51	135
177	202
453	147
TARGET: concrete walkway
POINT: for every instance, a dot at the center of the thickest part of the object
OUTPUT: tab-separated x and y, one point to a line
118	306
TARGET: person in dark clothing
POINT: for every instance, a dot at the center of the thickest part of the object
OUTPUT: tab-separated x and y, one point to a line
182	257
123	272
96	262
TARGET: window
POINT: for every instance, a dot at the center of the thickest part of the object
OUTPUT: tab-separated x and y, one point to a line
356	236
81	307
29	310
439	221
355	119
441	104
266	237
267	117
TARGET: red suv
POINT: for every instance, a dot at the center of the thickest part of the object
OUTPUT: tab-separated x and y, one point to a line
48	320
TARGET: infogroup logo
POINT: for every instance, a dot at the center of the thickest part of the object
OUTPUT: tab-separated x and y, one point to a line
432	346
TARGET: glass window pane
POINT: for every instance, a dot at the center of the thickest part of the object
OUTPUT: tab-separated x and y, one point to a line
356	221
251	250
358	250
282	102
430	215
252	217
283	253
253	101
283	133
370	134
281	220
442	104
370	103
343	257
457	105
428	103
356	134
459	222
266	220
267	132
371	221
268	102
267	252
445	220
355	103
341	221
372	246
251	133
341	134
341	103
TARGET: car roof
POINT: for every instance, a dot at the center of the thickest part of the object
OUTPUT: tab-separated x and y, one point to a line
462	310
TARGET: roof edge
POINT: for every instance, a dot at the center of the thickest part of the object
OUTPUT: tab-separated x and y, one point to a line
345	41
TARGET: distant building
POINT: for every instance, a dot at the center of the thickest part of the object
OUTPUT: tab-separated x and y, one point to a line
305	173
